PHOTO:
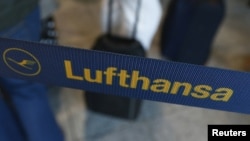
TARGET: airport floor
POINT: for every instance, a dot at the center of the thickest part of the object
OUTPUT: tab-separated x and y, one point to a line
77	23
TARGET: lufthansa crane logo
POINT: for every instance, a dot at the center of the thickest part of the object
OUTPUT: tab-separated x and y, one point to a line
21	62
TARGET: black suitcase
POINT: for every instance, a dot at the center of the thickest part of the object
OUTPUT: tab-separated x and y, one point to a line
116	106
189	29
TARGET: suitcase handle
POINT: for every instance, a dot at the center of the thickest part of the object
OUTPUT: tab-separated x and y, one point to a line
110	5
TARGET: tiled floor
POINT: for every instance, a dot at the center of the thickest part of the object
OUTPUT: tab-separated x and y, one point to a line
77	24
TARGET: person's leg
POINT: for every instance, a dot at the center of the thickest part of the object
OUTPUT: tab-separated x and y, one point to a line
30	99
10	130
175	26
189	29
124	15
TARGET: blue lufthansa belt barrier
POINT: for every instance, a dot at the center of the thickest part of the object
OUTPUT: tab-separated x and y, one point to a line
124	75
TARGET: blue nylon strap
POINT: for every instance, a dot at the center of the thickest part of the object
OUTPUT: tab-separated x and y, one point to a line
124	75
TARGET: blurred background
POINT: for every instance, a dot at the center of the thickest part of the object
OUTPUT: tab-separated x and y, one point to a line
77	25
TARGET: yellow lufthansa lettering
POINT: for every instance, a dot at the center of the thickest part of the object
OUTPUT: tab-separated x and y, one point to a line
69	72
110	73
161	85
222	94
98	76
123	78
201	91
134	80
187	87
